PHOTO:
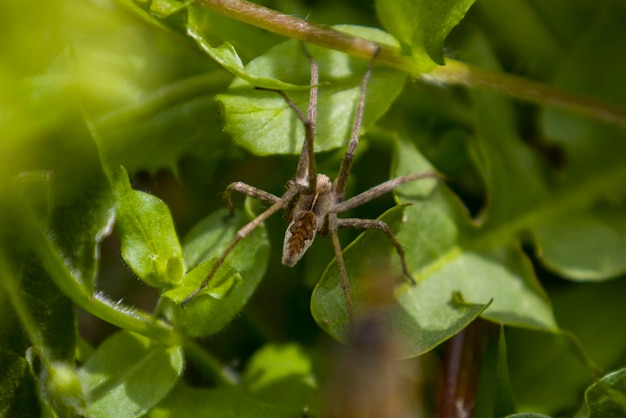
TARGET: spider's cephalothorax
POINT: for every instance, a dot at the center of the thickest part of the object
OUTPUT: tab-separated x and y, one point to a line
312	202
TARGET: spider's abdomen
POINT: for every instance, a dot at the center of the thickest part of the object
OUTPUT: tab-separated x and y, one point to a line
299	237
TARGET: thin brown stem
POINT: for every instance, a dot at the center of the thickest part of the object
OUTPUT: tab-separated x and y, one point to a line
462	362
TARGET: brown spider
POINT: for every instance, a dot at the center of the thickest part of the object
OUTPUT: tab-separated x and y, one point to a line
312	202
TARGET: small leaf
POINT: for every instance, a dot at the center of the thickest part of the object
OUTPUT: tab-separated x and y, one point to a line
128	375
263	123
422	24
226	56
606	398
234	282
585	245
150	246
281	375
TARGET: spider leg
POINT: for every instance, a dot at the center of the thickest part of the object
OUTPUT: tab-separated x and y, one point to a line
343	274
380	190
306	172
241	234
248	190
357	223
346	163
307	158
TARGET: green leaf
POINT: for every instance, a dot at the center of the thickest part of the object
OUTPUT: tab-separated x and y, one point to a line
281	375
226	56
233	284
445	256
159	129
263	123
150	245
18	396
585	245
128	375
422	24
527	415
222	403
606	398
595	332
546	371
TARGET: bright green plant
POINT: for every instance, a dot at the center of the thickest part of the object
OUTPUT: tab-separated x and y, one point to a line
518	255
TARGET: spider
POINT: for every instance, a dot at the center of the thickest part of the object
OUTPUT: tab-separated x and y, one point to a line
312	202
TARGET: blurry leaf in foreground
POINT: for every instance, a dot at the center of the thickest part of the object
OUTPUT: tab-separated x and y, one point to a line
187	401
282	374
128	374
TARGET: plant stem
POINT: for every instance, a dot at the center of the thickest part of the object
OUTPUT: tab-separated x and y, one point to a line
528	90
462	363
297	28
453	72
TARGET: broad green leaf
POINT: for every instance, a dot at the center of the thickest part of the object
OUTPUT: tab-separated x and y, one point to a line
161	128
527	415
606	398
223	403
263	123
128	375
144	89
585	245
281	375
422	24
233	284
445	257
150	245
